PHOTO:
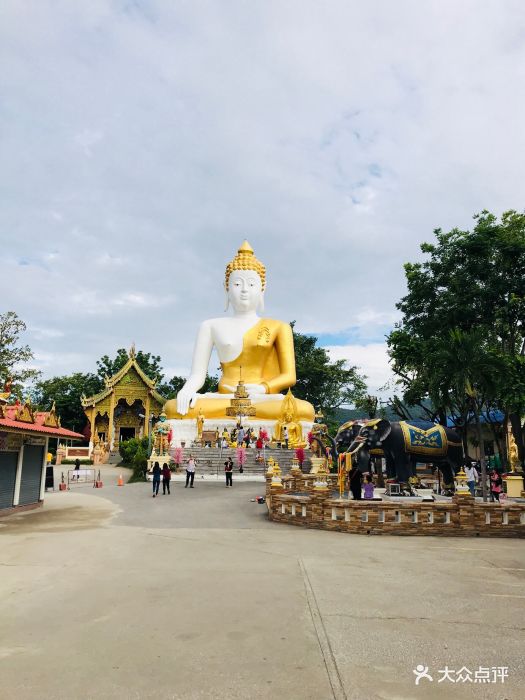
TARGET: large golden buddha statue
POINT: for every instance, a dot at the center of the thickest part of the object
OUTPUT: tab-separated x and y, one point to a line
259	349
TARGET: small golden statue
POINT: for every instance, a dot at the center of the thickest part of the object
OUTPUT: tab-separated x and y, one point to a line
288	419
514	459
200	424
161	441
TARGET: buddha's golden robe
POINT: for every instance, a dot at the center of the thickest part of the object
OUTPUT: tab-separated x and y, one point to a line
267	358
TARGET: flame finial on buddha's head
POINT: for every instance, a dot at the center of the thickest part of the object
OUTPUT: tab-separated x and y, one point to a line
246	260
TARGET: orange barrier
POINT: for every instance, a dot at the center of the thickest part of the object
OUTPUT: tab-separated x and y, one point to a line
120	481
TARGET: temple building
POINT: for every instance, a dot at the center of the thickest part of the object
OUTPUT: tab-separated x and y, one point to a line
24	440
125	408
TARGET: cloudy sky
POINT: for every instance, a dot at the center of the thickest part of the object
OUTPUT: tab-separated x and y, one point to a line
141	141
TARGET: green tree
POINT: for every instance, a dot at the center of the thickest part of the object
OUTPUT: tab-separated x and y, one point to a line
150	364
471	288
65	392
325	384
170	389
13	355
134	453
370	405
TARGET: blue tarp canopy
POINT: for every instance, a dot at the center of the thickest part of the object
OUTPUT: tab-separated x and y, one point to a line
494	416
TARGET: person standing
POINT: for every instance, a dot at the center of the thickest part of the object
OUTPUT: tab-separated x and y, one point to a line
228	470
355	477
156	479
240	436
77	467
190	472
285	436
166	478
472	478
495	485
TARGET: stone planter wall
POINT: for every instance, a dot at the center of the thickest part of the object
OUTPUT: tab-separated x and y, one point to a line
297	503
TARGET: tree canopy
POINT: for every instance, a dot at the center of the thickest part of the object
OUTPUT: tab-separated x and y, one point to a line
170	389
150	364
461	341
65	392
325	384
14	356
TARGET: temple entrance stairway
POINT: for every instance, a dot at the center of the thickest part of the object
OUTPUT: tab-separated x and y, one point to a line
210	460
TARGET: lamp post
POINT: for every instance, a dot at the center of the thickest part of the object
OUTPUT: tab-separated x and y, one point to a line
150	421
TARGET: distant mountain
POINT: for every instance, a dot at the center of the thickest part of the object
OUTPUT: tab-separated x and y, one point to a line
344	414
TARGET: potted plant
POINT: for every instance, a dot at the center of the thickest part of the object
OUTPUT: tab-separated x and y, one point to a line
241	458
178	456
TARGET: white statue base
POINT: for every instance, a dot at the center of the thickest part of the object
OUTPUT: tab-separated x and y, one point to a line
186	430
162	460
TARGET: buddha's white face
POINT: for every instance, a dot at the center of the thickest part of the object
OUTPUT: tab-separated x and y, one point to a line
244	290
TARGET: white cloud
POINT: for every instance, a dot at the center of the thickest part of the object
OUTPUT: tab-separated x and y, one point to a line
87	139
141	142
372	359
94	303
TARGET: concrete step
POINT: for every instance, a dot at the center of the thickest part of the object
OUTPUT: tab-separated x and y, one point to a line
211	459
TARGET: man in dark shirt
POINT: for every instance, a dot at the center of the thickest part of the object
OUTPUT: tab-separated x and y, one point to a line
228	470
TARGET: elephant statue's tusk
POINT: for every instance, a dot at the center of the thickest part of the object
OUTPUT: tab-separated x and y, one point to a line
356	449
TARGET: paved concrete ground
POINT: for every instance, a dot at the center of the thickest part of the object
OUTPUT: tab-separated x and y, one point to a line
114	594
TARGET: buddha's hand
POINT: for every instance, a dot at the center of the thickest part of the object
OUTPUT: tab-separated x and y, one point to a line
255	389
185	400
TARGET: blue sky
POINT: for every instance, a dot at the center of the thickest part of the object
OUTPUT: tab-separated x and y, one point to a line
142	142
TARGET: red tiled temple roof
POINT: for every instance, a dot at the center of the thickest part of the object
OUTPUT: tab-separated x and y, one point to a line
36	428
34	423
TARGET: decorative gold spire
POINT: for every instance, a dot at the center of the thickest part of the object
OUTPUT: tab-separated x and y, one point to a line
246	260
241	404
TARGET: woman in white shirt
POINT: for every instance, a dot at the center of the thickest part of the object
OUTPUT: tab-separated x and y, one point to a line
190	471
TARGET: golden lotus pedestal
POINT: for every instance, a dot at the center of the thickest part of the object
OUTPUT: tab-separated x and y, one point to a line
513	485
162	460
317	463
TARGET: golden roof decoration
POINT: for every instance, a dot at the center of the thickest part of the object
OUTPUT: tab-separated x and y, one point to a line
6	393
52	420
246	260
25	413
110	382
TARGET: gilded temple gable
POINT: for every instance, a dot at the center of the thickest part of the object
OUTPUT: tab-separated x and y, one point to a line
129	378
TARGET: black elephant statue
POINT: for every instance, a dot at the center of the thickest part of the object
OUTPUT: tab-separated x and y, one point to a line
404	443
